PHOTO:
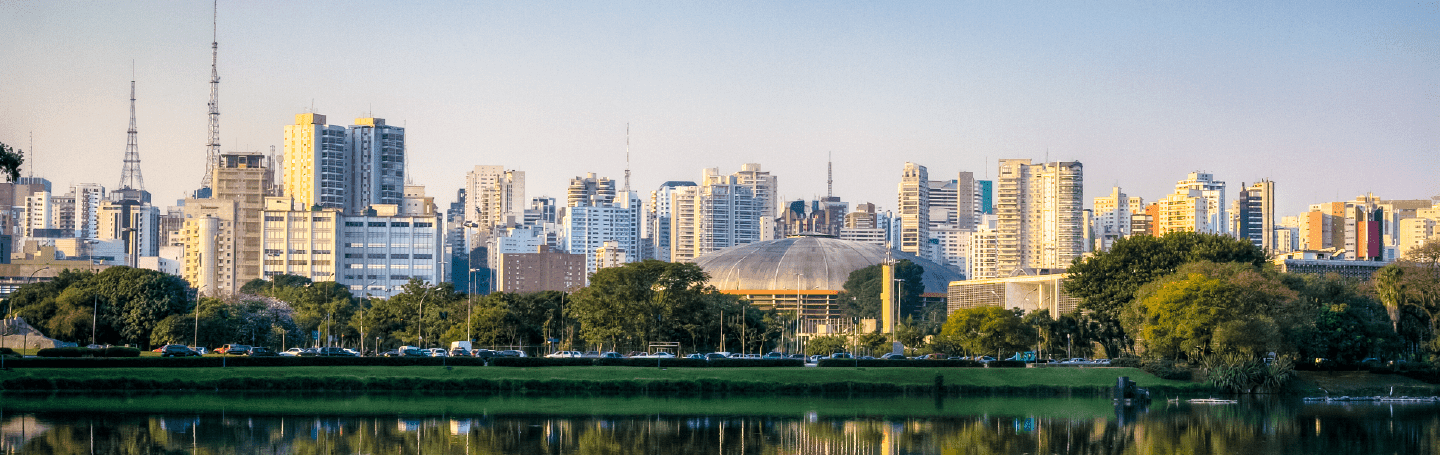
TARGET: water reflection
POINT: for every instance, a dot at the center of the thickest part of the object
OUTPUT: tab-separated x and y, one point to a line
1027	427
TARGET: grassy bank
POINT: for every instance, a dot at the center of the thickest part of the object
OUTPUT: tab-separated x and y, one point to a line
602	380
460	406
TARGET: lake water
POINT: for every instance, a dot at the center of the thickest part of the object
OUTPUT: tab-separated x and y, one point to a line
302	423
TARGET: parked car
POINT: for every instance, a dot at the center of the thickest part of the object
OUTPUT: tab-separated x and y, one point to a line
332	351
459	352
390	353
439	352
815	358
984	359
261	351
200	350
176	350
773	355
292	352
352	352
841	355
717	355
932	356
867	357
591	354
797	356
696	356
893	356
611	355
483	353
233	349
414	352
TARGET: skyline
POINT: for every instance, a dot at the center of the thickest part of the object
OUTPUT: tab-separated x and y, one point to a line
1141	96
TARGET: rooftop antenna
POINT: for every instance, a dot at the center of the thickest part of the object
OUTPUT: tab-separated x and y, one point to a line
627	158
130	178
830	176
212	150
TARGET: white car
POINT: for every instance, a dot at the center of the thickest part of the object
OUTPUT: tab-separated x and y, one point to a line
439	352
564	354
292	352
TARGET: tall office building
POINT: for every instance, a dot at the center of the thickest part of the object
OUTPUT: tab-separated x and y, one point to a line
315	162
766	189
495	197
719	213
1040	215
1217	219
376	171
594	216
914	210
1256	215
244	179
659	218
209	238
1113	217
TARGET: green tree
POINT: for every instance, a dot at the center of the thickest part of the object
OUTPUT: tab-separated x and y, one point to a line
861	298
987	330
1414	283
826	345
647	301
10	161
1349	324
1106	282
129	302
1216	307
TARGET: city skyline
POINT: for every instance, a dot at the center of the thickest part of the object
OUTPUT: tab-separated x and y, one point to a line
1290	93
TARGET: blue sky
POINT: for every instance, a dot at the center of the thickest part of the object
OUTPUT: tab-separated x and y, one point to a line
1330	100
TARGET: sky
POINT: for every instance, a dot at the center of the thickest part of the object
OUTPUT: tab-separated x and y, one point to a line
1330	100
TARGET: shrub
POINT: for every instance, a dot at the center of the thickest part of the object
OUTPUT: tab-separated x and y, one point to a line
1005	364
749	363
1128	361
663	363
7	352
1164	369
877	363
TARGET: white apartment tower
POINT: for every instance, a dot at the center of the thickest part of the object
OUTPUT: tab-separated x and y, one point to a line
719	213
1113	217
1040	215
766	189
659	218
495	196
914	208
593	217
1217	220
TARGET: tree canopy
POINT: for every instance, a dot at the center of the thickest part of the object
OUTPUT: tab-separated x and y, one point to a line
129	303
988	330
1208	306
651	301
1413	283
10	161
861	298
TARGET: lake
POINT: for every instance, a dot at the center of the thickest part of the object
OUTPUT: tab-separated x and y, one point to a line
313	423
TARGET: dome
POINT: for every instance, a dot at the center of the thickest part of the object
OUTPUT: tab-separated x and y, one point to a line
806	263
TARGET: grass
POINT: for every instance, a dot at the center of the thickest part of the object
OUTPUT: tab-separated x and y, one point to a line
1360	383
957	380
491	405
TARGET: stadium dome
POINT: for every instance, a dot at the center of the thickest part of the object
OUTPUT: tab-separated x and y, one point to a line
806	263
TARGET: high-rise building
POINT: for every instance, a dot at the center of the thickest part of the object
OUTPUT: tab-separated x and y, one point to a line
541	270
1040	215
315	162
375	173
1113	218
495	196
1217	219
914	209
209	238
659	218
1256	215
1183	211
303	241
766	189
594	216
244	179
719	213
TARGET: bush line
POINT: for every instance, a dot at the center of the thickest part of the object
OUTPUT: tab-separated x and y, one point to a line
242	361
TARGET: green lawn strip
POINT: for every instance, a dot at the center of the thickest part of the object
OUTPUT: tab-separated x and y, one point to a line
489	405
998	378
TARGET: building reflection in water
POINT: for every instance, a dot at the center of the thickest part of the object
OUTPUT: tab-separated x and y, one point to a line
1171	429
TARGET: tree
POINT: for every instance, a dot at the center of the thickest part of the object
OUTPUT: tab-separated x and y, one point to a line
861	298
826	345
10	161
651	300
1215	307
129	303
1414	283
1107	281
987	330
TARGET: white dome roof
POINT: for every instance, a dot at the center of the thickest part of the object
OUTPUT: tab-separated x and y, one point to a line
806	263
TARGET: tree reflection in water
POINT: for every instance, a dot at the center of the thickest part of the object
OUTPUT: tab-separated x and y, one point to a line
1250	428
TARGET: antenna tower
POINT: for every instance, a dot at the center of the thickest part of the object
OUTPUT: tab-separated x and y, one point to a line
830	176
627	159
130	178
212	148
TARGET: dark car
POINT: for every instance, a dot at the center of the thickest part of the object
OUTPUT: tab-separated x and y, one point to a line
893	356
414	352
261	351
234	349
773	356
484	353
333	352
176	350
